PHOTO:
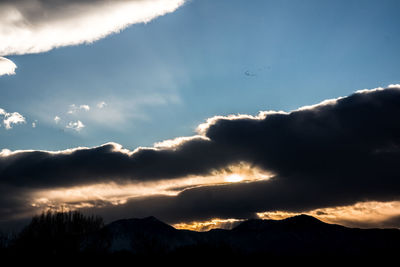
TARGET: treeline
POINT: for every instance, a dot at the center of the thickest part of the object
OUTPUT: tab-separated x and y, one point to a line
52	234
54	224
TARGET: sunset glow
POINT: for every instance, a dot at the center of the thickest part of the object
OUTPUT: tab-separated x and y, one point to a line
98	195
203	226
362	214
234	178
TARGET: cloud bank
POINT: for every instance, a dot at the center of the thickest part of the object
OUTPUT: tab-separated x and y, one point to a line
38	26
335	153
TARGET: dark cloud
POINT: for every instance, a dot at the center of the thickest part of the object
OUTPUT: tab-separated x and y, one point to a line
336	153
109	163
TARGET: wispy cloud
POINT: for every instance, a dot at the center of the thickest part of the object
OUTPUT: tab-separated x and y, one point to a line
116	114
57	119
75	125
84	107
39	26
101	104
74	108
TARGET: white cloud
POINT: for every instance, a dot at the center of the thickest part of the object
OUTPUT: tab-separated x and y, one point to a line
84	107
7	67
11	118
117	113
77	125
177	142
101	104
57	119
203	127
34	124
74	108
28	26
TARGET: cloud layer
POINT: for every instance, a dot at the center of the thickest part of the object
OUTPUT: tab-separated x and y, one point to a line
38	26
338	152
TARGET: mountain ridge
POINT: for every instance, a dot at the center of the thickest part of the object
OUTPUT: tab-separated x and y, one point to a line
298	236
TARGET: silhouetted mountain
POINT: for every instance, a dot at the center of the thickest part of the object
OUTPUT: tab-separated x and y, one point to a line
299	236
147	235
305	235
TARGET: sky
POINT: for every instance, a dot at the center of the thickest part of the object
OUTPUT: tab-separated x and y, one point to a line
198	110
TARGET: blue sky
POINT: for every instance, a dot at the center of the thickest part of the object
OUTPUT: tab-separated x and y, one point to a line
161	79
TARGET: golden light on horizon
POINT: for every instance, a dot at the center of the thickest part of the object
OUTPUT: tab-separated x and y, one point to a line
369	214
203	226
234	178
362	214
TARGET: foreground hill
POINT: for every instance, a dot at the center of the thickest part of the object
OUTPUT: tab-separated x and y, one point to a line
149	238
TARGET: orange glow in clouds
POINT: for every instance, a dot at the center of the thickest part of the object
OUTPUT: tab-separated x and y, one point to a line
116	194
362	214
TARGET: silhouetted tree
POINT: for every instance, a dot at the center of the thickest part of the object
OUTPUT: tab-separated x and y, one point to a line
57	233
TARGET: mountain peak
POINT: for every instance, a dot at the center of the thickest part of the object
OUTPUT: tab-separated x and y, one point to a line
150	219
303	219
